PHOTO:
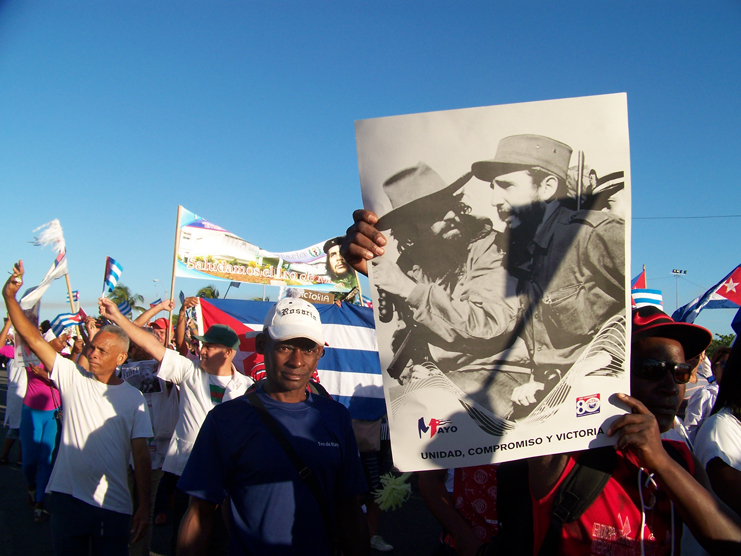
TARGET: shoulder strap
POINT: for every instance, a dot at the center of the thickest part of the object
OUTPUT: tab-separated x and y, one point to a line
579	489
306	474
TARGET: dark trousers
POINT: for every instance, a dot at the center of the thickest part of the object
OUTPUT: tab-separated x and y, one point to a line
76	527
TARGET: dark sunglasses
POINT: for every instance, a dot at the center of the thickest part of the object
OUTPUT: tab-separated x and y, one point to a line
656	369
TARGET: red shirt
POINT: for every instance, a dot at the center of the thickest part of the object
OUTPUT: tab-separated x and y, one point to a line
475	499
612	524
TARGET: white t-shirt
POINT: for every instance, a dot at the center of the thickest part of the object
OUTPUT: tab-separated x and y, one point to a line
699	408
17	382
99	422
195	403
720	437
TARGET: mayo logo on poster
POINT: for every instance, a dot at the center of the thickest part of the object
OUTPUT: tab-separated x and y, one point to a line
435	426
587	405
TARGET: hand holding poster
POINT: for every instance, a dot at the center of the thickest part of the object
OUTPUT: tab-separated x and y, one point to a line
206	250
501	297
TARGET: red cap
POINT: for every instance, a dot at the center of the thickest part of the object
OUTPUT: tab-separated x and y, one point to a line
649	322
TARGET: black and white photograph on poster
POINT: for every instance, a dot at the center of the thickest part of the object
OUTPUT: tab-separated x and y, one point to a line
501	298
142	375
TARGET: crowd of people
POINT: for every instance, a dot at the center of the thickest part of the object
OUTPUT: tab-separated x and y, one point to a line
268	464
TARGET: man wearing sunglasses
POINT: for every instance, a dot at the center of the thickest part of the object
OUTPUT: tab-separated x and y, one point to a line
647	488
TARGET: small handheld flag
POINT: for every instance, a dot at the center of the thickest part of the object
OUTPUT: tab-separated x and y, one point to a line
113	272
75	296
125	308
65	320
155	303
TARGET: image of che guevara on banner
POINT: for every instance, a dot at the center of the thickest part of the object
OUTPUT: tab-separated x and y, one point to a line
208	251
501	298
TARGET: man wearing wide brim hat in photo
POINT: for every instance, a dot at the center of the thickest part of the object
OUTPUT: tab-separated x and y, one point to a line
203	385
454	301
570	265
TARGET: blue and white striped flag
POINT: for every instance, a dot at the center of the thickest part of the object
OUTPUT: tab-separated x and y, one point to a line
75	296
643	298
125	308
350	369
65	320
113	271
155	303
182	297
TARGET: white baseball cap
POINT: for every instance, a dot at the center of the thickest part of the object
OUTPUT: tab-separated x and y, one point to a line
293	317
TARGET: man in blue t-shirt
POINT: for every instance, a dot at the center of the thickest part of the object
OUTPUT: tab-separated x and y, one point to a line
272	510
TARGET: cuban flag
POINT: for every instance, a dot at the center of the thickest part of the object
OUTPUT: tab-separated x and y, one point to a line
75	296
350	369
644	297
64	321
639	282
155	303
125	308
113	272
726	294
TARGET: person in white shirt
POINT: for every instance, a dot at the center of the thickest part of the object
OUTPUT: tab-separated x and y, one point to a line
203	385
105	422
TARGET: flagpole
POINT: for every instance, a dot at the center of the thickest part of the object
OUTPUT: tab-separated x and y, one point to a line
645	278
360	290
174	267
71	303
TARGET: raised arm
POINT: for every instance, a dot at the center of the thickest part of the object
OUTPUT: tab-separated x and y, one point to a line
4	331
712	523
146	316
180	343
24	327
140	337
363	241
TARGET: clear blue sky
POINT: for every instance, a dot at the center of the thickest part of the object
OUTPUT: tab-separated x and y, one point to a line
115	112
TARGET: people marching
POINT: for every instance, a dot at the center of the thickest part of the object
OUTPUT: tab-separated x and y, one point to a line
109	410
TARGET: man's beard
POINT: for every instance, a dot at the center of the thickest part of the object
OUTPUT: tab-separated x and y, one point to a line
447	247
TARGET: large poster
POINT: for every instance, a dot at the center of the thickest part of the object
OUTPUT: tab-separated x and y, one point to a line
208	251
501	299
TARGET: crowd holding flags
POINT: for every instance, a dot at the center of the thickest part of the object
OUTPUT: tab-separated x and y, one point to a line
726	294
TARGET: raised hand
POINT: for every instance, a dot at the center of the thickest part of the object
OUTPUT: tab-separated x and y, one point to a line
14	283
362	241
639	434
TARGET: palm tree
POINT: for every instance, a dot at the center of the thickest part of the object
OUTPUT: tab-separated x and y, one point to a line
122	293
208	292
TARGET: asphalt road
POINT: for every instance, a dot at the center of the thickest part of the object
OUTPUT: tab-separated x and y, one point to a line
411	529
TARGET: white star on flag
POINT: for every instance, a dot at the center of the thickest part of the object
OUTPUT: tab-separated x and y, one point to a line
730	286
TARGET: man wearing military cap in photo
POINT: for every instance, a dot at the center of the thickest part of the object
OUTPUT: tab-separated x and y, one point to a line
203	385
570	265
